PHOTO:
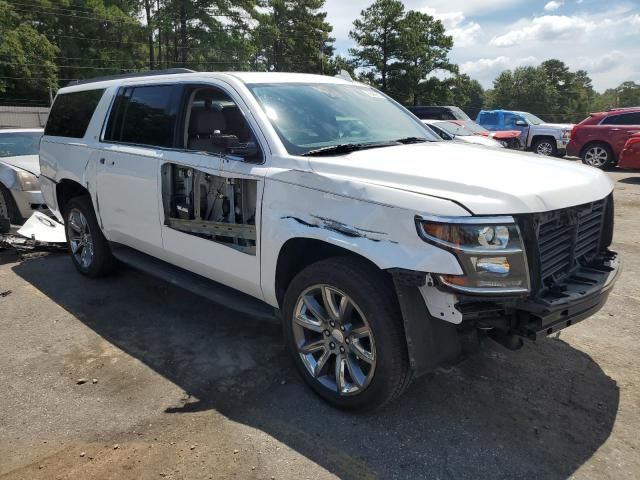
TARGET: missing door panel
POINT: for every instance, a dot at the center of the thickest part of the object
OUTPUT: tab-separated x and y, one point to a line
216	208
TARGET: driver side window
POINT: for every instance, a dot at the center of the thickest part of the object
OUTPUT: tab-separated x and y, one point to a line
215	124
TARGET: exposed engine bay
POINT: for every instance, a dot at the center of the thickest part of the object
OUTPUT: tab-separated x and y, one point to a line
216	208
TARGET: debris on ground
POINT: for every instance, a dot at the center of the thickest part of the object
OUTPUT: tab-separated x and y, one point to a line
81	381
6	293
43	228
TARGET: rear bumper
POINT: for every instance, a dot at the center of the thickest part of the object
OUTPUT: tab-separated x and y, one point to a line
581	296
630	158
573	149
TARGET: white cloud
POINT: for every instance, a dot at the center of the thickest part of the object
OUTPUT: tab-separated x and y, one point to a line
600	63
464	32
484	66
551	28
548	27
553	6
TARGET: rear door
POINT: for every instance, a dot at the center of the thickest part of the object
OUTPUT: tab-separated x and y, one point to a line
139	133
620	128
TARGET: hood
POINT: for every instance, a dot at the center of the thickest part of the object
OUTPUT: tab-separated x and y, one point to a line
562	126
30	163
480	140
486	181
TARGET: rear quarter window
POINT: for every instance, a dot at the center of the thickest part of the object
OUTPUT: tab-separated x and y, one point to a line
71	113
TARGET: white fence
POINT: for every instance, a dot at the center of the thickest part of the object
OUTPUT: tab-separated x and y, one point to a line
23	117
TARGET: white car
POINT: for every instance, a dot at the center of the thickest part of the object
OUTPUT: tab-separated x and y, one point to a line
384	251
19	170
450	131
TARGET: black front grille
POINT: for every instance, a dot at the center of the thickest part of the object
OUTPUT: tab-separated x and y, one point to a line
568	238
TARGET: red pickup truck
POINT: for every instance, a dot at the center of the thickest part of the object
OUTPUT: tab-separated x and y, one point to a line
600	139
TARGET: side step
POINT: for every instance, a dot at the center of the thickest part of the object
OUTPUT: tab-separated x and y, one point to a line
204	287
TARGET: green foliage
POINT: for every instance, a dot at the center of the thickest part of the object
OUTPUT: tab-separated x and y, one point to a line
293	36
550	91
377	33
27	60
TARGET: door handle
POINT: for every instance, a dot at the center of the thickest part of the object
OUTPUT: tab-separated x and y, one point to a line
102	161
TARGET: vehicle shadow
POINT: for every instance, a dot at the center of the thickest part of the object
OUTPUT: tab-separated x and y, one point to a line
631	180
538	413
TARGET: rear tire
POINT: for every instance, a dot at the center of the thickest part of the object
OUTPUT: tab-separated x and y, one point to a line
343	328
598	155
89	249
545	146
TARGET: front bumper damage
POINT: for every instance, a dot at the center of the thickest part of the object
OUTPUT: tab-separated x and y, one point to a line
432	341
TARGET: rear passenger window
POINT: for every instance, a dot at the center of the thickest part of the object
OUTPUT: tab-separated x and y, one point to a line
143	116
488	118
71	113
623	119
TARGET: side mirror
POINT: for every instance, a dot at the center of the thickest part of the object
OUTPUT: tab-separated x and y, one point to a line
521	123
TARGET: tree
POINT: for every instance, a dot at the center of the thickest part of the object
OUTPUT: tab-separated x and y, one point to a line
423	49
27	60
525	88
377	34
293	37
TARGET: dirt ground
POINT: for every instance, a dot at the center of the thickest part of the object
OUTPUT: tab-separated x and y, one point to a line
180	388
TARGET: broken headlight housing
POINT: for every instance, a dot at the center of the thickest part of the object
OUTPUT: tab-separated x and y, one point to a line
490	251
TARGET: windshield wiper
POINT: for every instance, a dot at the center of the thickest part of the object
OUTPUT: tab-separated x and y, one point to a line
407	140
345	148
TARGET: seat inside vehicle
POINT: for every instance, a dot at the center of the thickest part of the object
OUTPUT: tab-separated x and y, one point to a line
210	113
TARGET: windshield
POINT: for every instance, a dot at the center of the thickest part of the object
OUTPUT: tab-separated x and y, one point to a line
475	128
532	119
13	144
454	129
312	116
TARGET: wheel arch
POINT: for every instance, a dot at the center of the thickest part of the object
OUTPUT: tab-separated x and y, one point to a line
67	189
299	252
599	142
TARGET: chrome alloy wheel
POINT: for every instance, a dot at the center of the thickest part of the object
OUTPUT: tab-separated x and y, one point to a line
334	339
80	239
544	148
596	157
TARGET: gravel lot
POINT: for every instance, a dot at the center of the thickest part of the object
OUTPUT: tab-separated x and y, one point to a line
180	388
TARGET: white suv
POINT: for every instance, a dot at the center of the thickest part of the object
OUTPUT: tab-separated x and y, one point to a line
384	251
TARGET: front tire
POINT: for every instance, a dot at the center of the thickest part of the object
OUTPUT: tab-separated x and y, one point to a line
9	212
546	147
88	247
598	155
343	327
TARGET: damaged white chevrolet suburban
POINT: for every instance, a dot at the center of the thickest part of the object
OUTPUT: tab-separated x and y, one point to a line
384	251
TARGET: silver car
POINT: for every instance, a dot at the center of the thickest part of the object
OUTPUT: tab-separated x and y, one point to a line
20	192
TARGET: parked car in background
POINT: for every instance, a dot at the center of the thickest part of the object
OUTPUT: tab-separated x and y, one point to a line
19	171
447	130
630	155
384	251
439	113
600	138
539	137
509	138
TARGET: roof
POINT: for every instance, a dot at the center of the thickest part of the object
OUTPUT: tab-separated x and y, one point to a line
245	77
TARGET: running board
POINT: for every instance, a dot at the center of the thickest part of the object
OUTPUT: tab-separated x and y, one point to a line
197	284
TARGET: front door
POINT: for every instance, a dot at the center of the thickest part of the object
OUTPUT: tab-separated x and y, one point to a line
211	191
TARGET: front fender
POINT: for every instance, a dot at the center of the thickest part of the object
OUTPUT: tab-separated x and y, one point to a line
383	234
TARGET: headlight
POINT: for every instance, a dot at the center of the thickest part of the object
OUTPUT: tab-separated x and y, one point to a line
490	252
566	134
28	181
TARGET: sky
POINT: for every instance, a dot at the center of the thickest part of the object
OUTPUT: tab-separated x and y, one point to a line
599	36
